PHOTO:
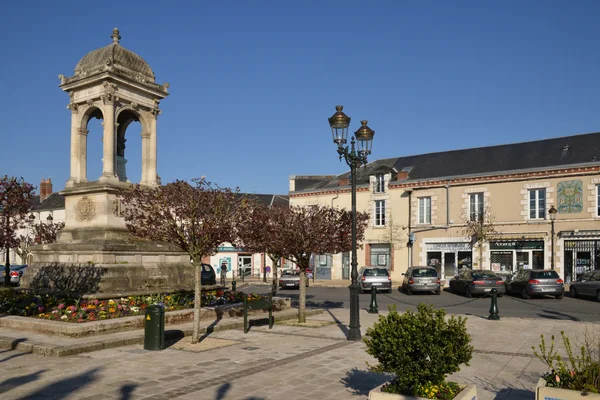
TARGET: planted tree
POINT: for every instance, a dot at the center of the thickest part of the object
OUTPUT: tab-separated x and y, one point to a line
258	231
195	217
480	229
315	229
37	233
15	203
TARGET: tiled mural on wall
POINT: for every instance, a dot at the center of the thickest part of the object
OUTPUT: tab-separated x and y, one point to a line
570	197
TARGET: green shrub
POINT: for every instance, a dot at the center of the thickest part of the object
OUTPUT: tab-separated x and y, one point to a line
418	348
578	372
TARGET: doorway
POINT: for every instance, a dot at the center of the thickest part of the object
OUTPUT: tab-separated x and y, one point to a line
244	266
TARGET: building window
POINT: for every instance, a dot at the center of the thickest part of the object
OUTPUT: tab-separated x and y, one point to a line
379	219
424	210
380	255
598	201
476	207
379	184
537	204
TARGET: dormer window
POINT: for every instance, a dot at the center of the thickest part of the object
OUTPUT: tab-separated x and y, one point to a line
379	184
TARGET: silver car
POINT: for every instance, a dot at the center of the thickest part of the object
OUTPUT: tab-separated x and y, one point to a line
587	284
421	279
290	279
377	277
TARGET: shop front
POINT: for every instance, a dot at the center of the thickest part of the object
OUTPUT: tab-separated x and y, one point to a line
580	256
506	256
449	258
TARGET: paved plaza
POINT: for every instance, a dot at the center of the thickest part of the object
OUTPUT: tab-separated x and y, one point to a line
288	362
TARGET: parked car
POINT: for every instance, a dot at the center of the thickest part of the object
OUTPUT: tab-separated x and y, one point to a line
208	275
531	282
378	277
16	273
587	284
290	279
421	279
471	282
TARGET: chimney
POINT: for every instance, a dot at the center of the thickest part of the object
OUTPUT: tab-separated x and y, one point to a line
402	176
344	182
45	189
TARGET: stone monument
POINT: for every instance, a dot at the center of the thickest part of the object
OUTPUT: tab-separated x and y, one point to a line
116	85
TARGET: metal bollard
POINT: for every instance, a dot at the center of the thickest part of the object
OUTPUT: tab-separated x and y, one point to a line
494	306
373	307
233	284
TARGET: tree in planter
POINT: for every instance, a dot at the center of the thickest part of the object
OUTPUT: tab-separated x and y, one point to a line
15	203
257	231
480	229
315	229
420	349
40	233
195	217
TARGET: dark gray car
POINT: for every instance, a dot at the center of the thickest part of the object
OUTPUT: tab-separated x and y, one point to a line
421	279
378	277
531	282
476	282
587	284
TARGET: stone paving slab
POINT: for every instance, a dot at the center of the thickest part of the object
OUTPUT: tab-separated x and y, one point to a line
288	362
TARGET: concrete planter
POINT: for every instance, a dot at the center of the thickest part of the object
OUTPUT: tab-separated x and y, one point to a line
468	393
129	323
543	392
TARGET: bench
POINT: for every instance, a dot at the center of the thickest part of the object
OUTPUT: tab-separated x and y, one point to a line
259	304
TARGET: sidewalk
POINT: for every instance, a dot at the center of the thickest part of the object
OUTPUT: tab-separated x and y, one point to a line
287	362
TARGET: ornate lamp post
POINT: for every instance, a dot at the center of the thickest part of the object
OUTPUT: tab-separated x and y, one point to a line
339	124
552	211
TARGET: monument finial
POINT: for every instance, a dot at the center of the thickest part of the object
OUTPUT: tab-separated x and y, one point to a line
115	35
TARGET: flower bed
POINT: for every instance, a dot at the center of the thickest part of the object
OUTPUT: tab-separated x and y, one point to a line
79	310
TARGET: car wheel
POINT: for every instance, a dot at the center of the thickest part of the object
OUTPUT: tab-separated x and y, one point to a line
559	296
573	292
524	294
468	293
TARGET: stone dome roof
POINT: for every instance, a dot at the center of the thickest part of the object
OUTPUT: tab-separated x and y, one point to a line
115	58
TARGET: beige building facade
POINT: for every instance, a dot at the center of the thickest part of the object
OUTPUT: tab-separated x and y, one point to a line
419	208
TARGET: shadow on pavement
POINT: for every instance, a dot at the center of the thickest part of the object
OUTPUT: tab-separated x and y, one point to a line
551	314
12	356
65	387
222	391
14	343
362	382
11	383
340	325
502	388
126	391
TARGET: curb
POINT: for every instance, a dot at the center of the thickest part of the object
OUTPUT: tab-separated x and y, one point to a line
131	338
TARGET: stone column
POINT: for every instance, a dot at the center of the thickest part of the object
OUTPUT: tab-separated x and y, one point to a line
152	149
75	148
82	154
145	149
108	164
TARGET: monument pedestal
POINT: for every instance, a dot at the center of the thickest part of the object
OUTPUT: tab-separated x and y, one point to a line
95	245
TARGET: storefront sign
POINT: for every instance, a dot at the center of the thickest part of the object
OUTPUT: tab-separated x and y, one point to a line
228	248
451	247
517	245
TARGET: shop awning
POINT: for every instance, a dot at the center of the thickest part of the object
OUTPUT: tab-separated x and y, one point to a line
580	234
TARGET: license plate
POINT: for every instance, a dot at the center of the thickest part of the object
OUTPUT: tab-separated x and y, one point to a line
290	284
486	290
376	284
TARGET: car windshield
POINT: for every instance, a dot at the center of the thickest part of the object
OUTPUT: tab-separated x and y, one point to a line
290	273
424	273
485	275
376	272
545	275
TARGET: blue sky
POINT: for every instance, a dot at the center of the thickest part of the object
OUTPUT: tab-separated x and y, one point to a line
253	83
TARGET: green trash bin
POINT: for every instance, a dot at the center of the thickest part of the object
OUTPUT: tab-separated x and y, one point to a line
154	328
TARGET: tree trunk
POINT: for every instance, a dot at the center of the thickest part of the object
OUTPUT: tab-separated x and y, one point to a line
480	256
264	267
302	297
197	299
275	280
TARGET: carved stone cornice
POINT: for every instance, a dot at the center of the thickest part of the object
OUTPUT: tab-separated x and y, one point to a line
83	131
145	135
73	107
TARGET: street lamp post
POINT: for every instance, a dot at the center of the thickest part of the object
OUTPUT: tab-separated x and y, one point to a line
339	124
552	211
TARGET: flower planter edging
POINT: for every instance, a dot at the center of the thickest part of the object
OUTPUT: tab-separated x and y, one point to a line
468	393
543	392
